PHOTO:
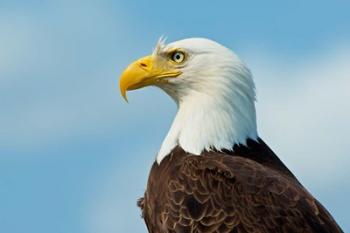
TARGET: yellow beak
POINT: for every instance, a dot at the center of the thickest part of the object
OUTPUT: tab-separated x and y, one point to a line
150	70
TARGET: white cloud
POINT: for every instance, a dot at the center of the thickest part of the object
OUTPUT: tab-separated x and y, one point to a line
304	113
57	83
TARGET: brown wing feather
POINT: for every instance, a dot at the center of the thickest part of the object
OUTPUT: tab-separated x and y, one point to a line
223	193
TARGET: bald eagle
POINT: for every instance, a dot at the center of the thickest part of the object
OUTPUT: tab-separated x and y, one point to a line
213	173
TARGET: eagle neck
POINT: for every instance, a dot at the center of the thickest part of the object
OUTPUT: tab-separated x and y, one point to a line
206	122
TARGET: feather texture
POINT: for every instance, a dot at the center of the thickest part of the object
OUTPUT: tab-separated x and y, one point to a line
248	190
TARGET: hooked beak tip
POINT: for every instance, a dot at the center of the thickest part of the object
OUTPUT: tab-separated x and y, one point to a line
123	92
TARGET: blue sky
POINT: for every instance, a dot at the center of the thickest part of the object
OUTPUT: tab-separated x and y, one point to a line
74	157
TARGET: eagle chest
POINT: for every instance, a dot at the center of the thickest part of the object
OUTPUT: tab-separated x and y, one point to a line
157	202
176	200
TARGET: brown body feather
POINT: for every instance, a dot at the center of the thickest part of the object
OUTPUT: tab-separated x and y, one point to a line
247	190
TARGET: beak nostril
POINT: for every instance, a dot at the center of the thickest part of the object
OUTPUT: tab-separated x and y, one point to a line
143	64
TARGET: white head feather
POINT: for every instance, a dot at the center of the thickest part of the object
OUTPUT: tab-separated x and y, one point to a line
215	95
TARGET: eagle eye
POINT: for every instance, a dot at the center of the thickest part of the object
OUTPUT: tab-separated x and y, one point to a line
178	56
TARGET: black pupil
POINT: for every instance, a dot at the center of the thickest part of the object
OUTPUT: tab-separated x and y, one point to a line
177	56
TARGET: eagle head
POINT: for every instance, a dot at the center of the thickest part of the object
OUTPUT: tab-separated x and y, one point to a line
213	89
